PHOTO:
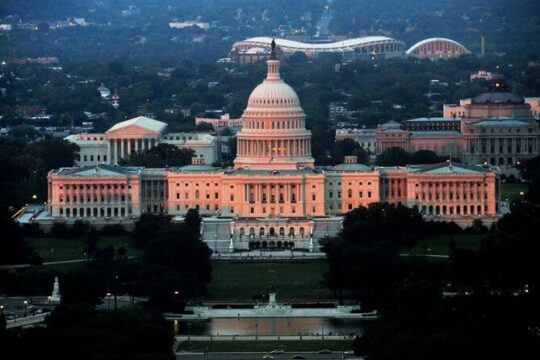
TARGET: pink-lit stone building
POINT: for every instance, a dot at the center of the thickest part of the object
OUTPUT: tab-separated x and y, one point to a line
274	196
496	127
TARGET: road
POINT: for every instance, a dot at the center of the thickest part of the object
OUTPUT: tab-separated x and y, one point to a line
337	355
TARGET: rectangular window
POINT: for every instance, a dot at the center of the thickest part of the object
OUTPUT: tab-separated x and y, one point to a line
177	195
369	194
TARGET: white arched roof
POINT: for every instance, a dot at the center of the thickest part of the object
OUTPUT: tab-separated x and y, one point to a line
338	46
425	41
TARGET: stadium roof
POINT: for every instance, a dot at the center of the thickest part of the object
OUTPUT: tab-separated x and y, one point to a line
425	41
338	46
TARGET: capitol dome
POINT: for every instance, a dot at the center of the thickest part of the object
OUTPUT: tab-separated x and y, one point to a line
273	134
272	94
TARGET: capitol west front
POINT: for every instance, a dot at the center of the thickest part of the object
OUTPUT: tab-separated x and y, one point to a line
274	196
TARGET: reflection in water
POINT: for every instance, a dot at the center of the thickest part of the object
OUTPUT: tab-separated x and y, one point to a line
268	326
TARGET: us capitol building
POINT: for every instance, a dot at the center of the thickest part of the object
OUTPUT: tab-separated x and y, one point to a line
274	196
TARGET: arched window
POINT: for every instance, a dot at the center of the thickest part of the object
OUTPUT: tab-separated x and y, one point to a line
272	231
242	232
261	231
302	231
291	231
251	231
282	231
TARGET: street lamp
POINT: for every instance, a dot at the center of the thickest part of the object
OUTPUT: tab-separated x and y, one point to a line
25	306
109	301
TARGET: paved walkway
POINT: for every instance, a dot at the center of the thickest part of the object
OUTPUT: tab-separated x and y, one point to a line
260	337
426	255
26	321
22	266
257	255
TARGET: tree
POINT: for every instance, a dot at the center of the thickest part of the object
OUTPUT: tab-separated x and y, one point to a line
90	243
162	155
56	153
79	228
15	249
146	226
193	222
530	170
394	156
425	157
348	147
3	322
82	286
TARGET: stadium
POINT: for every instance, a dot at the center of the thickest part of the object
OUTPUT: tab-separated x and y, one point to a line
364	47
434	48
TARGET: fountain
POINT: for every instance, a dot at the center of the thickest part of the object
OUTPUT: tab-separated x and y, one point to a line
274	309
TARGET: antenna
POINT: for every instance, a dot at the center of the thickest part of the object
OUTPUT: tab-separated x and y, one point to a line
482	46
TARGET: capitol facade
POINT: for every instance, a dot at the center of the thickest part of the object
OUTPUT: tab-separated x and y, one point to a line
274	196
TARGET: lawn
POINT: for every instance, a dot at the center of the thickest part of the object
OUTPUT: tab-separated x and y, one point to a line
265	345
512	191
291	280
55	249
439	244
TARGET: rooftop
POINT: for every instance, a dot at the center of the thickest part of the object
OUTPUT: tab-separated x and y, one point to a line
500	122
141	121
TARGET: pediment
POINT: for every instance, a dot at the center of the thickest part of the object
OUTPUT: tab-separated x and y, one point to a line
132	130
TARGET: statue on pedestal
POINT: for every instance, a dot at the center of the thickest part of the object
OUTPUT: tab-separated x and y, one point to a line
55	296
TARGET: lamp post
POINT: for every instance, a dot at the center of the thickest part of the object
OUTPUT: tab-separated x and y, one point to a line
109	301
25	306
256	331
116	292
175	299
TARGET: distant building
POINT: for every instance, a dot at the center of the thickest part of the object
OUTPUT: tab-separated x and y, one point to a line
188	24
496	127
223	122
481	74
105	92
274	196
436	48
364	137
136	135
365	47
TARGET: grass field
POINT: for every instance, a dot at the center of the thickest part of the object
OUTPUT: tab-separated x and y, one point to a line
439	244
265	346
240	281
55	249
512	191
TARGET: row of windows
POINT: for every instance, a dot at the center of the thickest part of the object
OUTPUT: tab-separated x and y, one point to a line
271	231
207	184
91	157
349	194
197	195
350	183
95	186
89	198
275	125
102	212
